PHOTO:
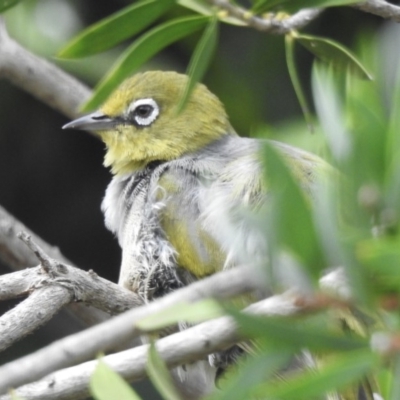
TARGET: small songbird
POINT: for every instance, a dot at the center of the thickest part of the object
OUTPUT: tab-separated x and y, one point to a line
182	182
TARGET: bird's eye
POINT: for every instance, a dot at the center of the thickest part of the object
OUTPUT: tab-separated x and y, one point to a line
143	112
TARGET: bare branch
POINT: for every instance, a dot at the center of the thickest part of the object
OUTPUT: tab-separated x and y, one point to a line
40	78
381	8
184	347
48	281
35	311
84	345
84	286
18	256
272	24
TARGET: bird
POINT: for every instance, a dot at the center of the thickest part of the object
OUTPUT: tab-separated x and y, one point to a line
183	181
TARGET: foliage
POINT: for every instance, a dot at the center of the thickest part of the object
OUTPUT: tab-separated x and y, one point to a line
355	225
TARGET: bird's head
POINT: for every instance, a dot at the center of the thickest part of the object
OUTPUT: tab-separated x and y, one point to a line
140	123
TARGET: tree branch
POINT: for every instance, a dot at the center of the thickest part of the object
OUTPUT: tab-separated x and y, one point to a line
269	25
86	344
47	282
29	315
381	8
40	78
181	348
18	256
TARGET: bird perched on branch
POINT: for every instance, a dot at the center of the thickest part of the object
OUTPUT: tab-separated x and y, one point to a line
181	182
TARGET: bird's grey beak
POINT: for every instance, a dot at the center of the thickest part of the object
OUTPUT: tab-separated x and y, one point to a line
96	121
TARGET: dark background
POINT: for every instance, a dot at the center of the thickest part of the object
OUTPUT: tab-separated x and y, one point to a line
53	180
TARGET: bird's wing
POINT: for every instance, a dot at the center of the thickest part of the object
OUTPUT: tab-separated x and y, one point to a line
206	201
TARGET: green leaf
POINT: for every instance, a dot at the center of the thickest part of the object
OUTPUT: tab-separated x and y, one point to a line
330	112
395	386
337	374
296	333
262	6
105	384
285	176
393	150
249	373
184	312
140	51
200	60
332	52
382	259
205	8
294	77
6	4
160	376
114	29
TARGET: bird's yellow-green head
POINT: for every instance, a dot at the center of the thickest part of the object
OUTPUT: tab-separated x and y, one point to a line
140	123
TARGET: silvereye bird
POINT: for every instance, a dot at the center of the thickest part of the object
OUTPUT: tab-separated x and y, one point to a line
181	182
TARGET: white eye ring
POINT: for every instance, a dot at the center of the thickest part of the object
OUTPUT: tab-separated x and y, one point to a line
143	111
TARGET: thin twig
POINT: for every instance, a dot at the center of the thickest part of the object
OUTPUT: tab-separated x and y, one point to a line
272	24
381	8
47	263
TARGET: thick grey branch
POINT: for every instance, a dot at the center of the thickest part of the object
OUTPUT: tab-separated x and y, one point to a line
84	286
83	345
50	292
270	25
29	315
18	256
381	8
40	78
184	347
51	279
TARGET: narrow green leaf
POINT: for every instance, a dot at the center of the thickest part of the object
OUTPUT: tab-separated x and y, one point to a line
105	384
160	376
200	60
330	112
140	51
382	259
184	312
332	52
342	371
285	177
253	371
395	386
204	7
6	4
262	6
393	150
294	77
114	29
293	333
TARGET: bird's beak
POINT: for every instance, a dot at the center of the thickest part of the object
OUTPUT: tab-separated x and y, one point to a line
96	121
